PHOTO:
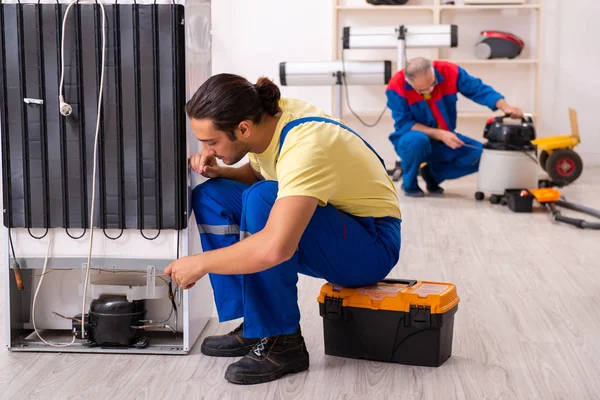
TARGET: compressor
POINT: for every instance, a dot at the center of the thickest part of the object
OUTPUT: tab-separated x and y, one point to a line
114	322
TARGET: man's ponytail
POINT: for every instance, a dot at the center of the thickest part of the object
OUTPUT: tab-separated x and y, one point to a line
269	95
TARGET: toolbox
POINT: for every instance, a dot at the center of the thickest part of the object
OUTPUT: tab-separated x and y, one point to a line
400	321
519	200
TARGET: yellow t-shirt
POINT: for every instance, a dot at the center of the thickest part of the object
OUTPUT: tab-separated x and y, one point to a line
328	162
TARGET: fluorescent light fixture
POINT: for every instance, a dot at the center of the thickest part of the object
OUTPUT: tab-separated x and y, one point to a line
400	37
330	73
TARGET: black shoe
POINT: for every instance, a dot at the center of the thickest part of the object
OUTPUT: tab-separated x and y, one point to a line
231	345
412	193
432	186
270	359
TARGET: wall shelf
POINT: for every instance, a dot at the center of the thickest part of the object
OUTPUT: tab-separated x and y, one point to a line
528	62
493	7
495	61
385	8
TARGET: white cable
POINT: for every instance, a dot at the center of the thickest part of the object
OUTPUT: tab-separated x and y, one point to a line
89	260
36	294
65	109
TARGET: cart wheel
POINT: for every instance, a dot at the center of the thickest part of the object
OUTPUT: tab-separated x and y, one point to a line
494	199
479	196
543	158
564	165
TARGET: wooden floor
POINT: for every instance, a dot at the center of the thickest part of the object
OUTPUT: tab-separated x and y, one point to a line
528	324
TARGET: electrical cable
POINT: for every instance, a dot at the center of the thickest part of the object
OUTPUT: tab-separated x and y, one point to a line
89	260
66	110
37	290
156	325
348	98
170	284
524	151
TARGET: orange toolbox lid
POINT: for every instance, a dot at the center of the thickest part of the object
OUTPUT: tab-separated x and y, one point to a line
545	195
395	295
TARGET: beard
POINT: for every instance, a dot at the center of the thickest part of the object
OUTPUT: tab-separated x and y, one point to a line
240	150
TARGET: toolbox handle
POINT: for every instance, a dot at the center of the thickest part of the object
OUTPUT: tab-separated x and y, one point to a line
409	282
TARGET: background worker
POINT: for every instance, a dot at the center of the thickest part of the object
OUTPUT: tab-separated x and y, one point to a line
422	99
314	199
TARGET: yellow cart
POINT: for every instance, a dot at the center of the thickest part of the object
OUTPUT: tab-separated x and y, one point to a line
556	154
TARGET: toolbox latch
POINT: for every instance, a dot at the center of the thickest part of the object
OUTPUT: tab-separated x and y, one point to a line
333	307
420	316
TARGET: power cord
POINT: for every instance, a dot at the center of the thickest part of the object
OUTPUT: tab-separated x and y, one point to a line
348	98
89	260
66	110
524	151
37	290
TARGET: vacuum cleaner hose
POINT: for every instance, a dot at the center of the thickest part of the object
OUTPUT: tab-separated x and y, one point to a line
571	221
580	223
590	225
578	207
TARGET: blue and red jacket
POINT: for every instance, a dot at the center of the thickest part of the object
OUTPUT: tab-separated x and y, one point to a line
409	106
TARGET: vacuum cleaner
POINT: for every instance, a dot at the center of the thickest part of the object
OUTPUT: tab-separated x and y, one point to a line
508	159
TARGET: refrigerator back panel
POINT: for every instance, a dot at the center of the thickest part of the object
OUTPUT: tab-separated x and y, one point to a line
47	158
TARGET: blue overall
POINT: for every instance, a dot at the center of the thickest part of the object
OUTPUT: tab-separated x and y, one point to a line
415	147
336	246
439	110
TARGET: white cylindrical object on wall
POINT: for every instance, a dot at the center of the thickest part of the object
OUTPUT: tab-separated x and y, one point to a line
388	37
327	73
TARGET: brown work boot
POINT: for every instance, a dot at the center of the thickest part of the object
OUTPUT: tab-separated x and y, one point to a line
270	359
232	344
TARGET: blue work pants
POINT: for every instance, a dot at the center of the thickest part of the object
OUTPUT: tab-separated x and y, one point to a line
336	246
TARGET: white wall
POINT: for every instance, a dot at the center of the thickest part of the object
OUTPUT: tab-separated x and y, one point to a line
251	38
571	56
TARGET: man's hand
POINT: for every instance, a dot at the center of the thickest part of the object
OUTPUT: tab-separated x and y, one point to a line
206	165
514	112
450	139
186	271
271	246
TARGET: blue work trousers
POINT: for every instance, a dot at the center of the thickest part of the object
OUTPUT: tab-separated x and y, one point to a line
338	247
415	148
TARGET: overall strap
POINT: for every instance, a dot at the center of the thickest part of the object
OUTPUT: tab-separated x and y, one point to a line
292	124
